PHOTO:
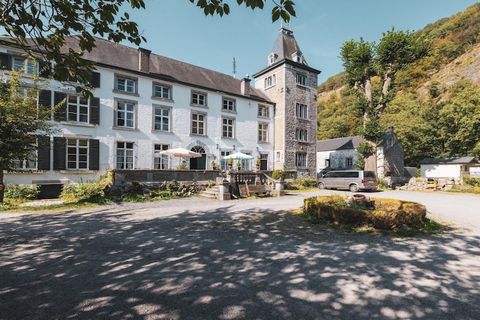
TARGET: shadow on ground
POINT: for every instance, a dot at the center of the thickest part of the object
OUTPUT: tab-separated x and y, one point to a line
219	265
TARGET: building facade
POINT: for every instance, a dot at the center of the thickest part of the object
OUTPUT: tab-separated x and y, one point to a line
291	83
143	103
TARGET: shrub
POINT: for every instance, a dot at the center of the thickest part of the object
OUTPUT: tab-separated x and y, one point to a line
82	192
278	174
388	214
22	192
301	184
474	182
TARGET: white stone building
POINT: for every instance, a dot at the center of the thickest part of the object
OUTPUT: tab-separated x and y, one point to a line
144	102
452	168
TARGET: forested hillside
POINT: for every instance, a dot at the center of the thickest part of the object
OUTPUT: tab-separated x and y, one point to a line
436	106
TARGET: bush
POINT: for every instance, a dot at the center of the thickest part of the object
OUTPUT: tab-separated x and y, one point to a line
82	192
301	184
474	182
278	174
387	214
22	192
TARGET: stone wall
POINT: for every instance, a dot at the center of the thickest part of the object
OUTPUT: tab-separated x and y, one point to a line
200	176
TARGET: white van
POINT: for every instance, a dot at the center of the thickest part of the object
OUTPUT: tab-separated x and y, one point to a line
353	180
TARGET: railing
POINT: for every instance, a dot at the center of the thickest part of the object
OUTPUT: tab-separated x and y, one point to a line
249	178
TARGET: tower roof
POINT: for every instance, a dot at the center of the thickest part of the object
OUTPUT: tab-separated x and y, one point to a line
286	47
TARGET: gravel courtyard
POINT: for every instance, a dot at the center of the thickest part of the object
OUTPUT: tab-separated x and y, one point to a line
202	259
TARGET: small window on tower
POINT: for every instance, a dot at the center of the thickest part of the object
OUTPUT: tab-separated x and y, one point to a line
272	58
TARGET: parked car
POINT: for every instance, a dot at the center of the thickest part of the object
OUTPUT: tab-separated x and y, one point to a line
431	183
353	180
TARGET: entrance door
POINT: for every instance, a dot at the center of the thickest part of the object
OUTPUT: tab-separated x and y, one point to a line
263	161
201	162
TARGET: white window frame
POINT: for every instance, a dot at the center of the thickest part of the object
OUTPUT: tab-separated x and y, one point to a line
301	111
195	98
29	66
162	89
125	85
77	105
125	156
77	147
160	162
262	132
301	135
349	162
224	162
161	117
195	118
270	81
263	111
228	128
301	79
305	159
126	113
229	105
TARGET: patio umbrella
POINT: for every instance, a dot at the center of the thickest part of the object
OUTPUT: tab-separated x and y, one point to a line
238	156
179	153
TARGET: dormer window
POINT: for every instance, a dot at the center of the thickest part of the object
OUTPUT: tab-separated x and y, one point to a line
272	58
297	57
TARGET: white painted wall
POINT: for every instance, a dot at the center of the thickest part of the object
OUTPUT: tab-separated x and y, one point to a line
144	137
441	170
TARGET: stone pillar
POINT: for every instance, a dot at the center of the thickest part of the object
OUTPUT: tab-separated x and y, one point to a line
279	188
223	191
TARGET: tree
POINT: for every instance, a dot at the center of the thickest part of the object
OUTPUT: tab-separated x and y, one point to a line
40	27
21	121
371	68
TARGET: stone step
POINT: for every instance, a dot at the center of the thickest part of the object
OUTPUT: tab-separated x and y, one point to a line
211	193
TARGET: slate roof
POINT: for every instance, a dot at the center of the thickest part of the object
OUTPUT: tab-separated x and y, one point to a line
110	54
462	160
345	143
286	46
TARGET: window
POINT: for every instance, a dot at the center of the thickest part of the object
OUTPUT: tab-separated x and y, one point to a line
301	79
263	111
297	57
263	132
264	161
160	161
278	156
124	155
29	163
77	108
246	165
349	162
302	111
125	114
228	105
272	57
301	159
199	99
77	154
162	119
270	81
301	135
228	128
126	85
224	162
327	163
198	124
162	91
26	66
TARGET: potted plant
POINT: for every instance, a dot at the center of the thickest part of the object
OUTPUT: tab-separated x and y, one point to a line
258	163
230	164
214	165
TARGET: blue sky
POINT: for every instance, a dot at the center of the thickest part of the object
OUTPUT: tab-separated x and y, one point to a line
178	29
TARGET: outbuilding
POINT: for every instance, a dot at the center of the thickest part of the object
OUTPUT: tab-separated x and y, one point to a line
452	168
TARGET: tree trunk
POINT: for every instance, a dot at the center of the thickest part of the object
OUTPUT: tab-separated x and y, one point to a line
368	97
2	186
387	83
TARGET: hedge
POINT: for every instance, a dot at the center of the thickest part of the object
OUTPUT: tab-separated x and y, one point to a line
387	214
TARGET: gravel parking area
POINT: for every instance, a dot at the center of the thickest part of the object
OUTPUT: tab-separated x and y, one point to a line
202	259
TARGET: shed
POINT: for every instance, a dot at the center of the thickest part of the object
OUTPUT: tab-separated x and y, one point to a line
453	168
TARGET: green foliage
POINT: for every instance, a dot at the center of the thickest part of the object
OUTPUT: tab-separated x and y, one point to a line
301	184
474	182
365	149
22	192
82	192
358	60
278	174
333	83
214	165
388	214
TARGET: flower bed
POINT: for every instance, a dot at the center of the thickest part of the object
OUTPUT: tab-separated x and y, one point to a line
384	214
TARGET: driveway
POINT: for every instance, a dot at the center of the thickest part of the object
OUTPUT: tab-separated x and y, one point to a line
201	259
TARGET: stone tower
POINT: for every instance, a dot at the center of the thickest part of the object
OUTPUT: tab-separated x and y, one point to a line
291	83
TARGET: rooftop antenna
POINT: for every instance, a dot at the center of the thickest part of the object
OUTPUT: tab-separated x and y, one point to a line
234	68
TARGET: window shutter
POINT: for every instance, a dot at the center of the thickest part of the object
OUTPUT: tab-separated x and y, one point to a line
43	153
95	79
45	69
5	61
94	154
61	106
95	110
59	153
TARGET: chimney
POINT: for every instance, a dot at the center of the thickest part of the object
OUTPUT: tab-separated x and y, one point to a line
245	85
144	60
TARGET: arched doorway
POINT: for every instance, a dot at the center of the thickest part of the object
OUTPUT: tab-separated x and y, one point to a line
201	162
